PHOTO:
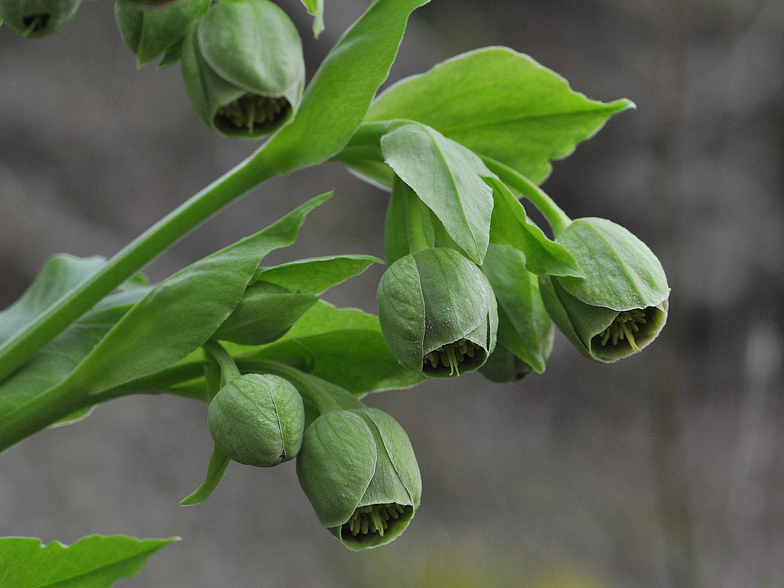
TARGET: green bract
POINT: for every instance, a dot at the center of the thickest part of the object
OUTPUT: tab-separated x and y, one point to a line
358	470
264	314
437	312
37	18
149	33
257	420
621	304
243	67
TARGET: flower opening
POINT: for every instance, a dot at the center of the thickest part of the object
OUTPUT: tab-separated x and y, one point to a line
450	356
251	110
371	520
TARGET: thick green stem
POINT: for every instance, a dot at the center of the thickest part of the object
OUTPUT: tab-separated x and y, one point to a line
552	212
16	350
228	368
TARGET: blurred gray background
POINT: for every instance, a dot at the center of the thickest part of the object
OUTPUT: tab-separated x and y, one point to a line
664	470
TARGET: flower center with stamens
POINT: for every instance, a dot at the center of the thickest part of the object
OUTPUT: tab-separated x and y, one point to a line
371	519
35	22
625	325
250	110
450	355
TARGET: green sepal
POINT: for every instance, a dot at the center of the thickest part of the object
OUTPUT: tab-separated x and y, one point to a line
621	272
429	302
37	18
150	33
243	67
586	325
359	460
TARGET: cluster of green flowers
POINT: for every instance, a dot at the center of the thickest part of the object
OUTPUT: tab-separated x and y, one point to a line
471	284
355	464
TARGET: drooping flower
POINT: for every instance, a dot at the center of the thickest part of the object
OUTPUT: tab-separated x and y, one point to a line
438	313
359	472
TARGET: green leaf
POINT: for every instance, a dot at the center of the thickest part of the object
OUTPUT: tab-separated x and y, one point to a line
59	275
316	8
502	104
57	360
314	276
216	467
448	179
340	93
92	562
342	346
182	312
524	326
510	227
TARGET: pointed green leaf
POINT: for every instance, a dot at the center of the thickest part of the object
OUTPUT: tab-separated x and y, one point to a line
340	93
314	276
92	562
216	467
182	312
61	274
502	104
510	227
523	324
448	179
316	8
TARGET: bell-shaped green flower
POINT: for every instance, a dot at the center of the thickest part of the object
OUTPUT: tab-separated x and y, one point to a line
257	420
621	304
438	313
150	33
358	470
37	18
264	314
243	67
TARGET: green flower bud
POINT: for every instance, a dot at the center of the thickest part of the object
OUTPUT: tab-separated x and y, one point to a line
437	312
150	33
358	470
264	314
37	18
257	420
243	67
621	304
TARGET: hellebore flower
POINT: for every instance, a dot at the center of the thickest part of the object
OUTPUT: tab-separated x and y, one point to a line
438	313
359	472
243	67
621	304
37	18
257	420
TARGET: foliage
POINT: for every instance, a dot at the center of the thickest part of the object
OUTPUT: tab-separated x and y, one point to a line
472	283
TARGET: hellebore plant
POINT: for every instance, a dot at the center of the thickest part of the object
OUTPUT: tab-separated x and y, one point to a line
472	284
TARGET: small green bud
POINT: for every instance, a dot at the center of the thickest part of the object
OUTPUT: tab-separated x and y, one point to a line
150	33
621	304
37	18
243	67
437	312
257	420
264	314
359	472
